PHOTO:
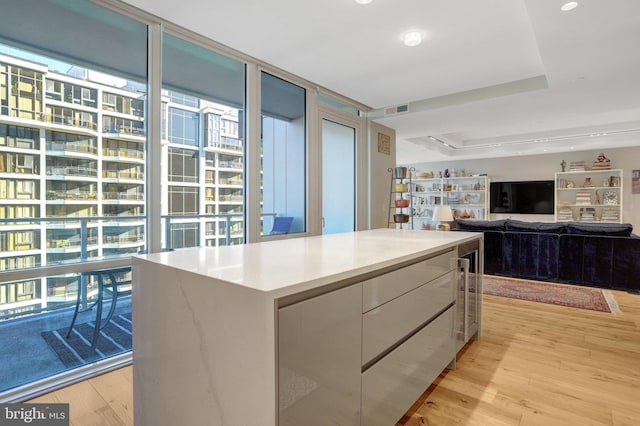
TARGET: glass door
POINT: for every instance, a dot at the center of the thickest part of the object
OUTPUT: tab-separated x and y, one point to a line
338	177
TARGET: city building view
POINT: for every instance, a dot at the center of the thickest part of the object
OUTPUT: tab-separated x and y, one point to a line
73	174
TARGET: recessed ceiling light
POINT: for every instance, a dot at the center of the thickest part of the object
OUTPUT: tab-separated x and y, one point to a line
363	1
412	38
569	6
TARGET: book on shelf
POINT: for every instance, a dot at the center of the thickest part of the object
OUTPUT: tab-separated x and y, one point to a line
575	166
610	215
565	214
583	198
587	214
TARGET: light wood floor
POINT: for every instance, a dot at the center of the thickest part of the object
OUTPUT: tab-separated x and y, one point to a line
536	364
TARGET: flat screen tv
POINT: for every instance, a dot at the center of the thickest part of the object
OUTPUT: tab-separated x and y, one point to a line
525	197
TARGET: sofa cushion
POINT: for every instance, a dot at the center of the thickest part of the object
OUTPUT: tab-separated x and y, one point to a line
521	226
606	229
553	228
480	225
539	227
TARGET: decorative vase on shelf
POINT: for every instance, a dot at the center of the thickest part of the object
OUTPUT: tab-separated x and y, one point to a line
446	173
402	187
400	172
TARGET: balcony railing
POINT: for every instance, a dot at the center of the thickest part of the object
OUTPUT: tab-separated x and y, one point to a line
74	242
71	195
230	164
123	153
229	146
123	130
72	147
122	174
224	181
229	226
80	171
65	218
123	239
79	231
231	197
68	121
123	196
125	214
48	291
80	239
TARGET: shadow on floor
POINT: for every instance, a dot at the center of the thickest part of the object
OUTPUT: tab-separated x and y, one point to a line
25	356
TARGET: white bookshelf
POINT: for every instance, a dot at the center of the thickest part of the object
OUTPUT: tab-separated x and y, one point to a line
467	196
589	196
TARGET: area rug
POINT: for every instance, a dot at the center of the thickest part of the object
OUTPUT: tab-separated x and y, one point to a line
594	299
114	338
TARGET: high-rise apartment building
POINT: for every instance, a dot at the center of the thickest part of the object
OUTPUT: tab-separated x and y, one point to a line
72	174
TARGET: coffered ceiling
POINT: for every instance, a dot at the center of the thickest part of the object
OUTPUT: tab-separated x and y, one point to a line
491	78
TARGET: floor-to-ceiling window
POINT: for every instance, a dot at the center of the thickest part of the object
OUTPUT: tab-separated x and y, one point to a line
72	167
283	178
203	145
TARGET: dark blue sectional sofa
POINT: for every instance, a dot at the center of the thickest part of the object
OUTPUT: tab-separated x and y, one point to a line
605	255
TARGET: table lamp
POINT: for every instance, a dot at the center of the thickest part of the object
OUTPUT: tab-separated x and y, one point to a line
443	215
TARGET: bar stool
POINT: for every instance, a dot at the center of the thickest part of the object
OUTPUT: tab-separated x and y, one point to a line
106	282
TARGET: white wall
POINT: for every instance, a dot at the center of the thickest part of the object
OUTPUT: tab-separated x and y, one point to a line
379	177
543	167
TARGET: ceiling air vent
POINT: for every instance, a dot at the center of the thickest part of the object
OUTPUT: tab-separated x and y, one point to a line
398	109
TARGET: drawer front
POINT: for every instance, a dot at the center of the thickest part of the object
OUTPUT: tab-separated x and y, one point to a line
319	373
385	325
383	288
393	384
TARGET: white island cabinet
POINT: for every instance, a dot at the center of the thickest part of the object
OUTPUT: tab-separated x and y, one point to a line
344	329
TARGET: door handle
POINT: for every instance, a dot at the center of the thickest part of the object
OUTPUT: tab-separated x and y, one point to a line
464	264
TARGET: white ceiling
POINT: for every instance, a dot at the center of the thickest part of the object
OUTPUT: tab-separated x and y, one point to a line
493	77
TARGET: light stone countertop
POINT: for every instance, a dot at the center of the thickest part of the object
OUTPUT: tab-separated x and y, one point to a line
285	267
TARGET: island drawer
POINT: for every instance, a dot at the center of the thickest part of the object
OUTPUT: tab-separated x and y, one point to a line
383	288
384	326
396	381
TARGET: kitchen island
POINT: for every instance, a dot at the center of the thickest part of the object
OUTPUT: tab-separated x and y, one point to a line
344	329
